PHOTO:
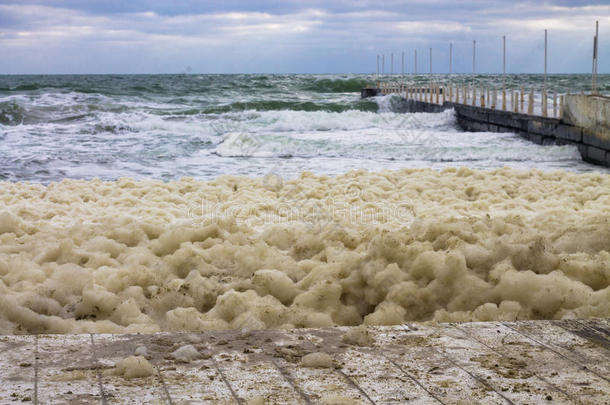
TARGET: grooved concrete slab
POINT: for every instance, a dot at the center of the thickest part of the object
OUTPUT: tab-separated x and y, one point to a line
488	362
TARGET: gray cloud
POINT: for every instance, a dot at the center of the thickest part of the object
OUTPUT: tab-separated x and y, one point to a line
300	36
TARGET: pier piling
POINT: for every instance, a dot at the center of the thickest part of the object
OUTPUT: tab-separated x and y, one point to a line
545	111
522	100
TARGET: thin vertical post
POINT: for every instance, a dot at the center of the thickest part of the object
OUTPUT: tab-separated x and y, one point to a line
503	72
415	63
595	47
504	55
474	55
554	104
430	79
561	101
545	56
450	58
530	104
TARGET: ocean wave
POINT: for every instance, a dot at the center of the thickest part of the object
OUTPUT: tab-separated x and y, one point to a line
336	85
11	113
55	108
239	144
292	105
168	126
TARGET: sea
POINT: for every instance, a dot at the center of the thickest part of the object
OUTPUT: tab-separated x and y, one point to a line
206	125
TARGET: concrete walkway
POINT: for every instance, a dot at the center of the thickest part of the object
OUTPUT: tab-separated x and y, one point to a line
532	362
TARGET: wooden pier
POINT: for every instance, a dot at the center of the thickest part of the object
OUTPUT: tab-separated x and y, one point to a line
541	118
533	362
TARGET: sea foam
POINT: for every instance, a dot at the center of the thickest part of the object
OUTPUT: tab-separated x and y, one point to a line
360	248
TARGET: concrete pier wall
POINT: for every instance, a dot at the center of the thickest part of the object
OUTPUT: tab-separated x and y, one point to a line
592	138
591	113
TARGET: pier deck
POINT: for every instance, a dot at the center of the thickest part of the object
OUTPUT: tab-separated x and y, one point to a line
493	362
543	124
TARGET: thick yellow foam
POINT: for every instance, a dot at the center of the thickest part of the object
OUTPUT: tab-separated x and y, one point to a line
372	248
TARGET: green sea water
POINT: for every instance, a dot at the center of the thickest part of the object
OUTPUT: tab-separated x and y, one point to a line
203	126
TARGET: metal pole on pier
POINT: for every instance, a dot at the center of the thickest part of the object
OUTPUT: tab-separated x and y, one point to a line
504	55
415	67
595	46
474	55
402	70
503	71
430	79
545	56
450	58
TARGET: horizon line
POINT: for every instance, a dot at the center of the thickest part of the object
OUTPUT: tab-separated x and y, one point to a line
306	73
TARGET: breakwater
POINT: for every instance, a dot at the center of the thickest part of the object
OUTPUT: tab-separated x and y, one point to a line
542	118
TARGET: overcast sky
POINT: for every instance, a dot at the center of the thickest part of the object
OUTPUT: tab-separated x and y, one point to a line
234	36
